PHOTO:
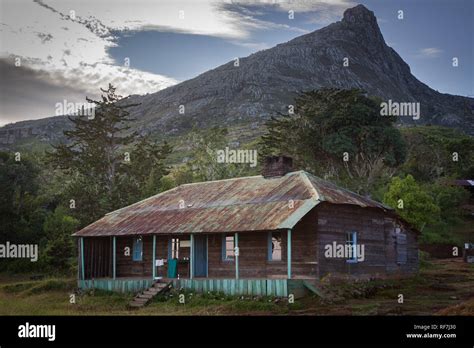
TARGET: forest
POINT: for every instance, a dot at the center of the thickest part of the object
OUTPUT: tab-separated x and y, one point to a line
338	135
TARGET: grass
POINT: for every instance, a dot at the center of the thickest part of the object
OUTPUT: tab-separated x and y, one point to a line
442	287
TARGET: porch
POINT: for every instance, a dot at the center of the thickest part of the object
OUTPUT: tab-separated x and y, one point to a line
253	287
235	264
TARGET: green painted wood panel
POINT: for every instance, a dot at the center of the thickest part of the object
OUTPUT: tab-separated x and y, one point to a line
82	260
119	285
253	287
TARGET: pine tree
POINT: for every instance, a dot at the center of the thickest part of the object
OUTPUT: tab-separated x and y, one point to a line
106	169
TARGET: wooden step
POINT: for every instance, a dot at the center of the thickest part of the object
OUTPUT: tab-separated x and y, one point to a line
160	285
313	287
144	297
147	296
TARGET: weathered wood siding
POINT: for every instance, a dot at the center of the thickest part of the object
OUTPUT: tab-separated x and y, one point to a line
256	287
126	267
119	285
305	247
412	262
375	230
325	224
253	259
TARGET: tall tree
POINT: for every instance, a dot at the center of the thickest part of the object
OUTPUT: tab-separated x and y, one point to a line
435	152
145	169
204	164
338	134
95	142
106	170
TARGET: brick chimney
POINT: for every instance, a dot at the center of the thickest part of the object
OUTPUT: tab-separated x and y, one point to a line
277	166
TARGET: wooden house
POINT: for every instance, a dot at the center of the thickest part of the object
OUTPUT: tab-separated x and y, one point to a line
263	235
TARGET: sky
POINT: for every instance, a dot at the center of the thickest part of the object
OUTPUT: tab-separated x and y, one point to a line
53	51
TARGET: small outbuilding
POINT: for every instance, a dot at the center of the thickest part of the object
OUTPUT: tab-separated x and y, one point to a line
259	235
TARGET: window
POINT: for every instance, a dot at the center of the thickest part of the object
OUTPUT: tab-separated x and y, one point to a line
351	246
175	248
402	255
274	246
137	249
228	245
178	248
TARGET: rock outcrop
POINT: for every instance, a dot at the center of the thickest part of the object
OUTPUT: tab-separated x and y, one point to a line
265	83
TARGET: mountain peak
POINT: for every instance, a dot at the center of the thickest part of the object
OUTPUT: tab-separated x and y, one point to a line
359	14
269	80
363	22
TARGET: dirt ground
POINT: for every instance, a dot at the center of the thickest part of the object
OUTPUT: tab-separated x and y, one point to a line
443	287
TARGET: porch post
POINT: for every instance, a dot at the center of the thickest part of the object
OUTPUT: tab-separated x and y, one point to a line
114	252
154	257
236	252
288	252
191	258
83	273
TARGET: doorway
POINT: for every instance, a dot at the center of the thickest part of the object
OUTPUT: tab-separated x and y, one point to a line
200	256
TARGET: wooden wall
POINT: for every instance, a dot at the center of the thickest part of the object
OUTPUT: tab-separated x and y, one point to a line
412	264
325	224
375	230
305	247
126	267
253	258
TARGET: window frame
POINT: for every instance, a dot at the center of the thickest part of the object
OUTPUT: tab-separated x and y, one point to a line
270	246
401	247
172	250
224	248
137	243
353	242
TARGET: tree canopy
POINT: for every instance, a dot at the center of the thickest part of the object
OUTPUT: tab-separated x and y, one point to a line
340	135
107	165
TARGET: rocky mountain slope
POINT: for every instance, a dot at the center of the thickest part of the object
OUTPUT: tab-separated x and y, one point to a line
266	82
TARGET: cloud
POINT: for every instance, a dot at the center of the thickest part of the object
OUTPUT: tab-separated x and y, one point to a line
429	52
29	94
297	5
319	12
189	16
63	46
248	18
73	37
63	54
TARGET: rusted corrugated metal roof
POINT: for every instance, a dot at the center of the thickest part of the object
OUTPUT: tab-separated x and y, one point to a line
329	192
241	204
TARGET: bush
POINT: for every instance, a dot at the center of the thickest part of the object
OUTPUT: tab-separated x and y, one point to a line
412	201
59	249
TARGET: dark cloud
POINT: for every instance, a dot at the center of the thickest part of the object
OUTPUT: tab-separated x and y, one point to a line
30	94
